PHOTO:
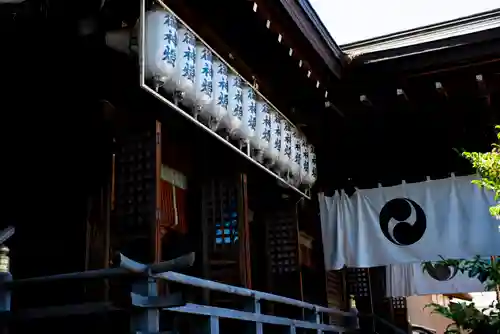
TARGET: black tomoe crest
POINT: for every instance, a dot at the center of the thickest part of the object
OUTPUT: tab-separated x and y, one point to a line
440	272
402	221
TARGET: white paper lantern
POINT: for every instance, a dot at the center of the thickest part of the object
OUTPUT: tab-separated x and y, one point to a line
274	148
296	155
161	48
186	57
284	162
262	136
203	79
220	99
235	105
304	166
313	174
249	120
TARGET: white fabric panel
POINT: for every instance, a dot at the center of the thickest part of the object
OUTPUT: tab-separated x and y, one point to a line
408	223
410	280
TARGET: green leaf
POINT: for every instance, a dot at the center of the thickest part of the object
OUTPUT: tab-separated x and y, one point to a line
466	317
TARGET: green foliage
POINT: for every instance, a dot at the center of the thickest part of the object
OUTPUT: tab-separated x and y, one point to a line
485	270
465	316
488	167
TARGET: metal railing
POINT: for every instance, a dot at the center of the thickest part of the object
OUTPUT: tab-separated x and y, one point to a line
148	304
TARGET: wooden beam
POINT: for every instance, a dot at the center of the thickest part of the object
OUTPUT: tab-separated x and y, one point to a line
286	35
264	79
483	89
61	311
364	99
6	234
401	95
481	84
275	87
199	25
440	89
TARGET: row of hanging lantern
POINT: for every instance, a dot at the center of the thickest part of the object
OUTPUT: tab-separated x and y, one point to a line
186	69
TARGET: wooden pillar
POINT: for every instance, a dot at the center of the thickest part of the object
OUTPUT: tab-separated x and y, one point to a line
98	247
244	232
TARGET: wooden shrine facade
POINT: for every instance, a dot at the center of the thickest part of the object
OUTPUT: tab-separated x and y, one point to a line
121	172
126	174
417	99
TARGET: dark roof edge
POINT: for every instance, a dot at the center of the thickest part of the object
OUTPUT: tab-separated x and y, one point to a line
320	27
307	20
426	33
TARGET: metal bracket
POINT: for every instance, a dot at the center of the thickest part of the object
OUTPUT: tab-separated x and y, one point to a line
172	300
6	234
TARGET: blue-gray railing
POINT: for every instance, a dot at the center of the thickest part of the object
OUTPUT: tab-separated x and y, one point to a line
148	304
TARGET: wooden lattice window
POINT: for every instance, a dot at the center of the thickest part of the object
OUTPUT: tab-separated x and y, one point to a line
399	302
225	231
137	176
221	213
358	282
282	240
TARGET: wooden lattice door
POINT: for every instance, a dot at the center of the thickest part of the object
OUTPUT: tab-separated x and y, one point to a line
283	251
136	223
359	286
226	253
336	292
367	285
283	263
400	313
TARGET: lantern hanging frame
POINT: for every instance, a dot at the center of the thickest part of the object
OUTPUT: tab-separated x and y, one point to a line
173	105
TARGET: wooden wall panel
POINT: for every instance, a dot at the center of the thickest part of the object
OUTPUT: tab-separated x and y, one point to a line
135	228
98	251
336	293
335	289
